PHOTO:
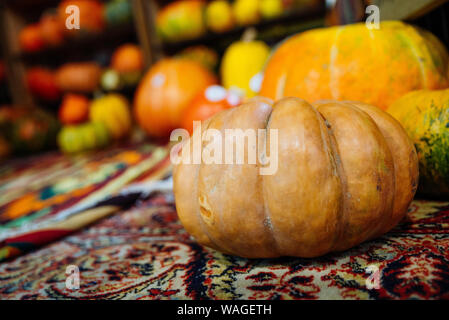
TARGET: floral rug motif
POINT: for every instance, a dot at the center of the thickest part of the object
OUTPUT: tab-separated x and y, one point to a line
144	253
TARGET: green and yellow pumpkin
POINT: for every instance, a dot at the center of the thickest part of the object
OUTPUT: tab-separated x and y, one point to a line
425	116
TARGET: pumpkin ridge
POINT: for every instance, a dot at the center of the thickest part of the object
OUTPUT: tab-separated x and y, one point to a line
203	224
267	214
342	220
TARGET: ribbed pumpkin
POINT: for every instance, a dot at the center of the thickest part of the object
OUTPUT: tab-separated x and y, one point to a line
347	172
166	91
355	63
425	116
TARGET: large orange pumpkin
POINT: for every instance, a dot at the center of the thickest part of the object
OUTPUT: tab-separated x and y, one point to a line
166	91
356	63
347	172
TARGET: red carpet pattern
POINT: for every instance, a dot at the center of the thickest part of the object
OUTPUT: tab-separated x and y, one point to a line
144	253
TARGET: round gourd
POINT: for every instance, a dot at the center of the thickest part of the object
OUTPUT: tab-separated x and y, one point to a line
355	63
212	100
425	116
166	91
113	110
242	65
118	12
347	172
127	58
51	29
181	20
78	76
30	38
83	137
219	16
91	16
74	109
42	83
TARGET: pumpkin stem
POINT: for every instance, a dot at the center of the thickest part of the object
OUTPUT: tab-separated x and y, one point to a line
249	34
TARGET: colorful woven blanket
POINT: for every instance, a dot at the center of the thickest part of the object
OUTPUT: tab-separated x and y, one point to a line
143	252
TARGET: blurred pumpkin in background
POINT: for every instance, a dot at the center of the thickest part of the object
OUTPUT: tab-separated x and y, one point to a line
113	110
270	9
118	12
90	15
352	62
127	58
30	38
207	103
28	130
74	109
242	65
246	12
42	84
166	91
202	54
181	20
219	16
78	76
83	137
51	29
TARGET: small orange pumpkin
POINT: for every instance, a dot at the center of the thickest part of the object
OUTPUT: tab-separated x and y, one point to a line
166	91
346	173
74	109
209	102
30	38
51	29
90	15
78	76
127	58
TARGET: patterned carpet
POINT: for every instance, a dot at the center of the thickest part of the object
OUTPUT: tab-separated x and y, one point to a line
144	253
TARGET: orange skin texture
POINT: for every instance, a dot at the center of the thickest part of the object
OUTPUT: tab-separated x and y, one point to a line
127	58
201	109
354	63
166	91
74	109
347	173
